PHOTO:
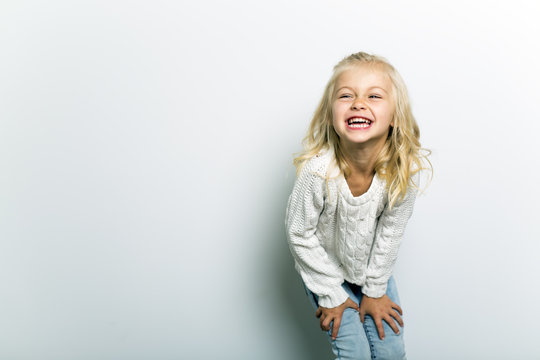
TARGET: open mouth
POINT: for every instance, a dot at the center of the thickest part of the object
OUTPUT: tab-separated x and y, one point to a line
359	123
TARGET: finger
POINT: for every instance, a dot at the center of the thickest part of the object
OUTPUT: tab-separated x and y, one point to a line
392	323
398	308
326	323
318	312
380	329
362	316
335	328
353	305
321	321
398	318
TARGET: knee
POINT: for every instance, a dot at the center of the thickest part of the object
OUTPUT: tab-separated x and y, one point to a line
351	342
391	348
356	353
350	347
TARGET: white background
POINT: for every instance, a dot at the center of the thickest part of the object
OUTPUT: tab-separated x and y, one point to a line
145	155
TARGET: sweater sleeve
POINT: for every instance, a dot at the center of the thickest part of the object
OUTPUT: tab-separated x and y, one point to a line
306	202
388	234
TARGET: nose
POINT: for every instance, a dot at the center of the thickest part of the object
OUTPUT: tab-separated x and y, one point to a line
358	105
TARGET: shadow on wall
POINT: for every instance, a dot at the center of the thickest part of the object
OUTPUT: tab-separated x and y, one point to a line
297	308
299	316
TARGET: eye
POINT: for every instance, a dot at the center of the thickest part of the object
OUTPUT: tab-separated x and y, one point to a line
374	96
344	96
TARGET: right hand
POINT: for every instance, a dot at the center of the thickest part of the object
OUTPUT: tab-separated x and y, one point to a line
381	309
327	315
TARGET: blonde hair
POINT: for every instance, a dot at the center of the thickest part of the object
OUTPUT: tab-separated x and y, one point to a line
401	156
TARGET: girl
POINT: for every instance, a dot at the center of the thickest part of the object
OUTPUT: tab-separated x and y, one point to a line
354	193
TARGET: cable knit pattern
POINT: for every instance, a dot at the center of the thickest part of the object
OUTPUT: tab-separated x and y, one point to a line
334	236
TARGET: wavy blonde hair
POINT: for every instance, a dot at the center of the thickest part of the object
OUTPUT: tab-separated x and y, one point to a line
401	157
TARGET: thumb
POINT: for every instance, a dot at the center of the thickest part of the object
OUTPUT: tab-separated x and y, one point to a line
352	304
362	315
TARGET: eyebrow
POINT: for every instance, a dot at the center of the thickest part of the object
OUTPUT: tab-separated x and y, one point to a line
373	87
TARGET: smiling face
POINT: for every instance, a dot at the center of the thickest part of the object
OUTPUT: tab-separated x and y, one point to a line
363	106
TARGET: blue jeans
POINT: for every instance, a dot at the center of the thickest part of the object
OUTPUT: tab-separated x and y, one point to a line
357	341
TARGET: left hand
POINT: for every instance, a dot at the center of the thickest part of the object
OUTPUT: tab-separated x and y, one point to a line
381	309
333	315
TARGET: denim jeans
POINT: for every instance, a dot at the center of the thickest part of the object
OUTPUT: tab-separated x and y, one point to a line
357	341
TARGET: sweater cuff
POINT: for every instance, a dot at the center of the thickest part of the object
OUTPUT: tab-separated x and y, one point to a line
335	298
374	290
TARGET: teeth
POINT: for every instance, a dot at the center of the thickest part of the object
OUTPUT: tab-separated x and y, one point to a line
357	125
357	122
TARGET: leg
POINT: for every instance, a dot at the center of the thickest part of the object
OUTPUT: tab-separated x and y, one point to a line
351	342
392	347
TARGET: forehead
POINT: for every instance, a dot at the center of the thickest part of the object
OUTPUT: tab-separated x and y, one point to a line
364	76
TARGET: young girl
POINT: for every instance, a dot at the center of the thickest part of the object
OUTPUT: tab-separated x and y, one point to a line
354	193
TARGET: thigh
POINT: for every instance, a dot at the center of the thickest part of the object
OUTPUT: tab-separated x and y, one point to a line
392	347
351	342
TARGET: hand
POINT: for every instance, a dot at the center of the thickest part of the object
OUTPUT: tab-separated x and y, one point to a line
381	309
327	315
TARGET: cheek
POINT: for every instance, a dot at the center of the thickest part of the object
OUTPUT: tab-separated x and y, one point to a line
389	114
335	123
335	110
335	114
339	109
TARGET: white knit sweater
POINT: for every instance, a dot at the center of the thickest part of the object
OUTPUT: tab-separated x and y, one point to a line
334	236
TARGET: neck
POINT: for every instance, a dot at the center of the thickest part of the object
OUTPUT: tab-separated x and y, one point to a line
362	157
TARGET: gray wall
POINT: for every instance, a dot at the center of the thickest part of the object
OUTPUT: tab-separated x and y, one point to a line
146	147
